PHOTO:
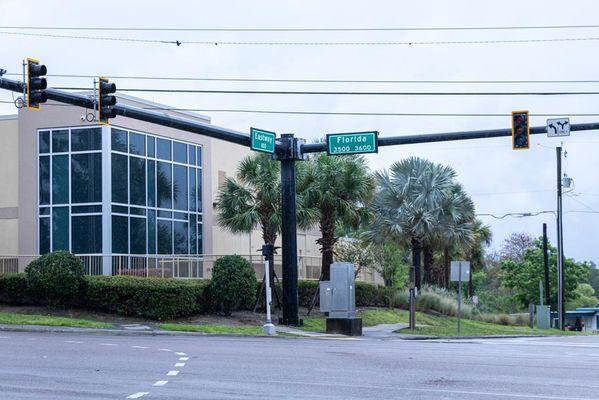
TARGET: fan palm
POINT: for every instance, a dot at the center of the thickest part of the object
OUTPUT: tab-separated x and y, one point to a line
481	238
337	189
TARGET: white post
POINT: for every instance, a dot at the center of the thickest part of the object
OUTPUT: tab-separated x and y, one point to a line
268	327
459	294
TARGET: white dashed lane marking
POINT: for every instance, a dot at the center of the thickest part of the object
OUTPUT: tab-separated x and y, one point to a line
73	341
107	344
160	383
139	347
181	354
183	358
137	395
172	373
179	365
165	349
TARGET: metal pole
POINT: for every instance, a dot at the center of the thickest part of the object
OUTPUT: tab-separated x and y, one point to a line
289	236
412	308
268	327
546	267
560	249
459	294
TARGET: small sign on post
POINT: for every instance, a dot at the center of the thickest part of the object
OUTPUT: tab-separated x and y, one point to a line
460	272
262	140
352	143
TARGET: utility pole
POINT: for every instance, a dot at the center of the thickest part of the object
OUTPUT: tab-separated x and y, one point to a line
546	265
560	243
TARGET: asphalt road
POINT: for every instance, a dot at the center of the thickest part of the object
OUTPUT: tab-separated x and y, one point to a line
95	366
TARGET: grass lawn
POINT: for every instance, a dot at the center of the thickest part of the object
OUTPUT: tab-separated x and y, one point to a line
26	319
219	329
434	325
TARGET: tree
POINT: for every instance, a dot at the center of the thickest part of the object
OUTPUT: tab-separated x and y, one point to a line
355	251
585	297
594	277
524	276
253	200
515	246
392	264
336	188
409	202
481	238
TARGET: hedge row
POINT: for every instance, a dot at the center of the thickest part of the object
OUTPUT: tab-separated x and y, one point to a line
161	299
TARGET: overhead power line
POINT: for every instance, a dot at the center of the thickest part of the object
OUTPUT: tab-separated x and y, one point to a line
304	29
342	93
310	43
376	81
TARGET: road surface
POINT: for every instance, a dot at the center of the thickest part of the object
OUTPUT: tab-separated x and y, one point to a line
95	366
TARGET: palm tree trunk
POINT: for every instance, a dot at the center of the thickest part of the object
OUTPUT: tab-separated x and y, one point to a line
446	263
327	242
428	256
415	273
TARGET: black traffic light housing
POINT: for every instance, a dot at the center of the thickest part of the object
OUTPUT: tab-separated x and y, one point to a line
106	100
520	130
35	83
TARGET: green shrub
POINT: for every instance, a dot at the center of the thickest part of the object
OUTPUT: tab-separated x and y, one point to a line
55	278
233	284
153	298
13	289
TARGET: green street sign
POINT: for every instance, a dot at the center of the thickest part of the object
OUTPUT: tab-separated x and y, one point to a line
262	140
352	143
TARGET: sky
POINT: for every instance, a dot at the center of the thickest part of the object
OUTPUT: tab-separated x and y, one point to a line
499	179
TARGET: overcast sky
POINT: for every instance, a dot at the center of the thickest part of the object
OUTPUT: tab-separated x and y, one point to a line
499	179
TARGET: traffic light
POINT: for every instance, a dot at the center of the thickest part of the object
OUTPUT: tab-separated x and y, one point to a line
520	130
106	100
35	84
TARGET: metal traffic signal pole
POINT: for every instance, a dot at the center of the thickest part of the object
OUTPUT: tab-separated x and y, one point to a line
560	244
288	149
546	266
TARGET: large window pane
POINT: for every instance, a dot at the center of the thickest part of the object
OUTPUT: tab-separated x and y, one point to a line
193	237
199	157
151	231
44	235
120	235
180	187
192	154
60	141
192	189
119	140
44	180
60	179
86	139
138	235
60	228
164	186
179	152
181	237
86	177
87	234
151	183
200	190
44	142
137	179
163	149
120	181
200	240
151	146
137	144
165	237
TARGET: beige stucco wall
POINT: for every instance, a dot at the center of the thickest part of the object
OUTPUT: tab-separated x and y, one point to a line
9	185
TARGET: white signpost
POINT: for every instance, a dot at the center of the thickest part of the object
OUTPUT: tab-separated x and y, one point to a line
460	272
268	327
557	127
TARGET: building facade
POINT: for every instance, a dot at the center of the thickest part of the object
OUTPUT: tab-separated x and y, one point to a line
130	198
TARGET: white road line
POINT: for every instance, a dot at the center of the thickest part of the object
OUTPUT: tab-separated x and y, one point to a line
73	341
179	364
107	344
172	373
183	358
160	383
139	347
165	349
137	395
181	354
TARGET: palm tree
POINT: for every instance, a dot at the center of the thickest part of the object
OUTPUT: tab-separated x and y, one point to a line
409	203
337	189
481	238
253	200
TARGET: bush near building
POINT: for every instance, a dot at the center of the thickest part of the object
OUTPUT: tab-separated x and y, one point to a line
55	278
233	285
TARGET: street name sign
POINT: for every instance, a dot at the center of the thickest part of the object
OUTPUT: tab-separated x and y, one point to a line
352	143
262	140
558	127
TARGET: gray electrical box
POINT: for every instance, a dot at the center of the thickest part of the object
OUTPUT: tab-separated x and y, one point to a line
343	291
325	296
543	317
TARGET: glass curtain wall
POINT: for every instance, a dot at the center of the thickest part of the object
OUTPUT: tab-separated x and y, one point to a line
70	190
156	195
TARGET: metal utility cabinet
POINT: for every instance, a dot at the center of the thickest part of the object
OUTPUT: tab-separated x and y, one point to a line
338	298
